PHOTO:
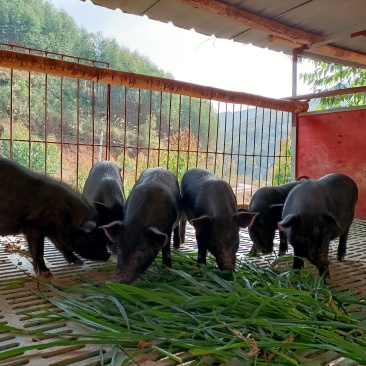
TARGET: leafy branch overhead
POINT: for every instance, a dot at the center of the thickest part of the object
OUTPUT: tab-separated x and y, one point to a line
332	77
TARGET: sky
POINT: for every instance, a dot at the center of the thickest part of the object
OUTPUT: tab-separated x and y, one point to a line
190	56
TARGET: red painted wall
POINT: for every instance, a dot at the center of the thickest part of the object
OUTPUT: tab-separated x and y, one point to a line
334	142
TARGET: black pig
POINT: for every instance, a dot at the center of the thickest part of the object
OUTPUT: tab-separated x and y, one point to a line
210	205
104	190
40	207
316	212
268	202
152	211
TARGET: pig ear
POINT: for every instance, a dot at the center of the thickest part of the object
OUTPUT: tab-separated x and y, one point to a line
88	226
331	219
102	209
158	237
245	219
287	222
112	230
201	222
276	211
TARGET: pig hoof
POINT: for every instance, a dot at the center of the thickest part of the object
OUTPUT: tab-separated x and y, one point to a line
45	274
252	253
176	245
78	262
282	252
340	258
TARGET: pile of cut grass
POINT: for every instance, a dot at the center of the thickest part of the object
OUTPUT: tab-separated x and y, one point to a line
257	316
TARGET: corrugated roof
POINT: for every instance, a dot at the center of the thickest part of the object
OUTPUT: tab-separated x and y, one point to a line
330	22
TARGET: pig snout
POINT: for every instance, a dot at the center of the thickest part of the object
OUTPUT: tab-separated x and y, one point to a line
123	277
226	263
226	266
88	226
265	250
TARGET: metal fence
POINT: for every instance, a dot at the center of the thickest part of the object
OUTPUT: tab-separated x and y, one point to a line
61	126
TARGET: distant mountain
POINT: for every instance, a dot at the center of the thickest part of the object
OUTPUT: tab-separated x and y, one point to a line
256	133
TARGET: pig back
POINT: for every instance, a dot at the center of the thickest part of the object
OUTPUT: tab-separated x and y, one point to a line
104	185
28	197
341	193
154	201
334	193
264	197
203	193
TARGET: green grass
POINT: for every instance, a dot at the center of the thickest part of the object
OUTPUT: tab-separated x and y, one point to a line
198	314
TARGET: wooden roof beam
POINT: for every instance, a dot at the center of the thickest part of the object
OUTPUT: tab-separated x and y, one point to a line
325	50
253	21
279	33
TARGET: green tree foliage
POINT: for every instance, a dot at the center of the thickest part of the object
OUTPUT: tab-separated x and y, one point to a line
182	154
36	155
281	172
38	24
332	77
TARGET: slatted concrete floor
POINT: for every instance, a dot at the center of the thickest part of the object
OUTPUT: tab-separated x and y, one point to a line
18	303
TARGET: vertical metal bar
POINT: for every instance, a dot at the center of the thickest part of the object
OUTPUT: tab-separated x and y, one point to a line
287	145
93	120
198	131
178	132
29	119
77	132
125	132
208	133
62	124
217	135
138	133
254	141
169	125
149	137
232	145
281	134
189	132
108	121
268	144
294	116
11	115
274	149
160	124
246	154
224	147
261	150
45	123
239	155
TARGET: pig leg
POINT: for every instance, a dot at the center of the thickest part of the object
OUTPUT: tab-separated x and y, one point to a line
202	252
298	262
166	254
324	270
182	230
283	244
253	251
176	237
69	256
35	241
342	246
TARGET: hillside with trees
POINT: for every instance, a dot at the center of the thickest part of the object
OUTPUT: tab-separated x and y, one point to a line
162	120
81	105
